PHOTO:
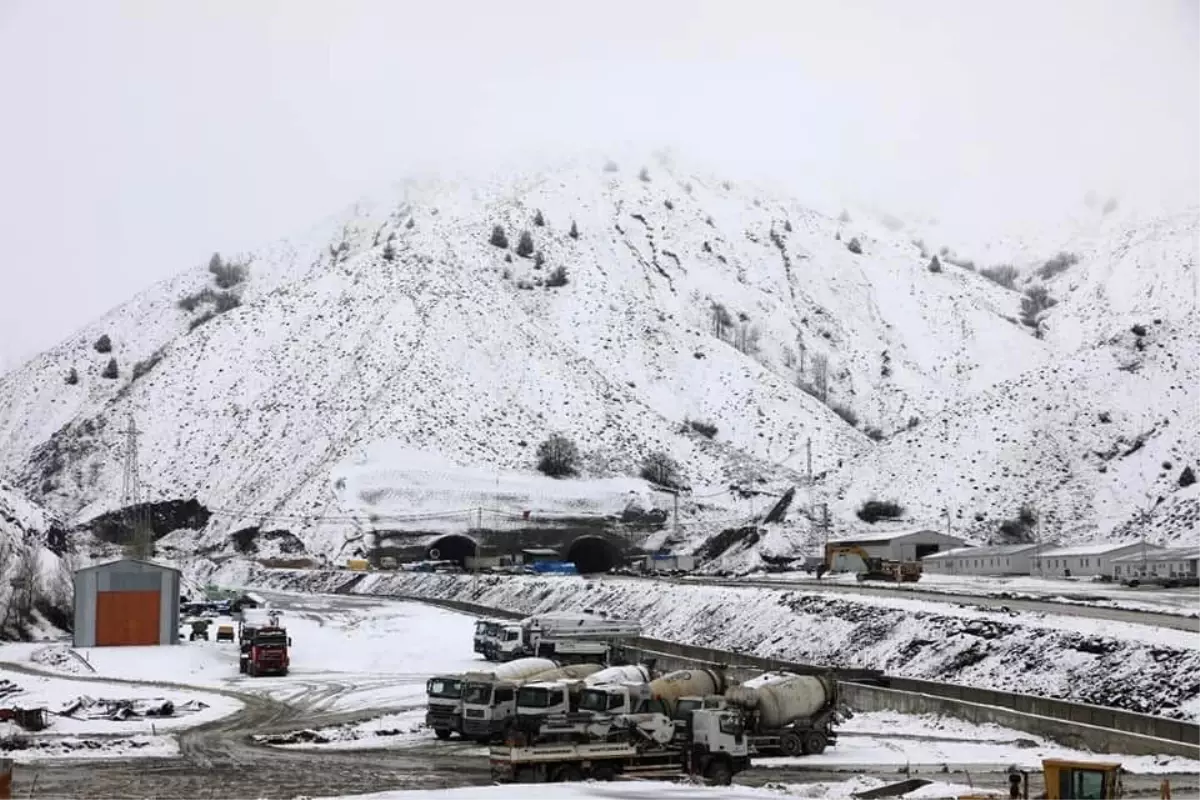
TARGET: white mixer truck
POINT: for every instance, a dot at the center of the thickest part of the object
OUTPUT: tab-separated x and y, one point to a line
540	699
715	747
489	707
444	693
608	709
564	637
785	713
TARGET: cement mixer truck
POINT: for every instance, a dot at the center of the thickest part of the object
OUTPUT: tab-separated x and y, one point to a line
785	713
541	699
490	699
444	693
610	710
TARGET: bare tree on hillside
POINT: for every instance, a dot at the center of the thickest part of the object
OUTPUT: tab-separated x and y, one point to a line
722	321
28	577
820	371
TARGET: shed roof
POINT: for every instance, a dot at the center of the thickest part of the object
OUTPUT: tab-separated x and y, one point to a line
881	537
985	551
113	563
1166	554
1096	549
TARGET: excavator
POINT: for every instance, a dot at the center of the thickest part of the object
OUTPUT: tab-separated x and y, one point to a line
1061	780
873	568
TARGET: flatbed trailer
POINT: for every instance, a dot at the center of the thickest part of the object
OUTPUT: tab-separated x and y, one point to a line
717	750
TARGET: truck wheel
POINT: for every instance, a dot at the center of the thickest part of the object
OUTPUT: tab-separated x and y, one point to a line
442	733
791	744
242	667
814	743
251	670
526	775
567	773
603	773
719	773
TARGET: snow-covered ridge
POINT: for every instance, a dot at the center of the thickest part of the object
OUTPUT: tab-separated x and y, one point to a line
398	321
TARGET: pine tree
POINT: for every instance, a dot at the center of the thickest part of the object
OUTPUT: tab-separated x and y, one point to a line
574	232
103	344
72	377
525	245
498	238
935	265
538	219
110	371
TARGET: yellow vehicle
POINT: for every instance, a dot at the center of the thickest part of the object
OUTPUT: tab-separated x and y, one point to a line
868	567
357	564
224	633
1071	780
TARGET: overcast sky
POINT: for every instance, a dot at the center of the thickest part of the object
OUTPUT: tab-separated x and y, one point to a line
137	137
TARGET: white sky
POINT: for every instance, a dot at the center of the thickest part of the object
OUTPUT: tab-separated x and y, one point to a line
138	137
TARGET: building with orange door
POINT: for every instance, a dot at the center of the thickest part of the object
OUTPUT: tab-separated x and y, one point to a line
126	602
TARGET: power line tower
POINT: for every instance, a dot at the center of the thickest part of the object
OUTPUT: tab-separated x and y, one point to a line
139	541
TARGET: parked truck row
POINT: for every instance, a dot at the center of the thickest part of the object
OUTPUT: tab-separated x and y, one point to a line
571	721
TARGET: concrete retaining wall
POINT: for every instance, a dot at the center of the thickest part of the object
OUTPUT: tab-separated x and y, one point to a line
1072	724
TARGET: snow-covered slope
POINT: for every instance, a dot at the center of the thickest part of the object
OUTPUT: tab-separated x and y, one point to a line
399	322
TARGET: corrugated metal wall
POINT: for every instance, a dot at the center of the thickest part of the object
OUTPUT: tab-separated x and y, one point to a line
126	576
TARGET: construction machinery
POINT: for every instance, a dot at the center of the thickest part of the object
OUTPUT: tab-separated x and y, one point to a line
444	693
564	637
490	699
867	566
785	714
1061	780
224	633
716	749
263	650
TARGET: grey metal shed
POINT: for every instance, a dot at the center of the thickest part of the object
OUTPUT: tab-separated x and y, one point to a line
126	602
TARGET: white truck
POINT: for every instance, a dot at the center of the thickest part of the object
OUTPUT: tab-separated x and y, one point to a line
716	748
565	637
489	707
487	637
444	693
540	699
786	714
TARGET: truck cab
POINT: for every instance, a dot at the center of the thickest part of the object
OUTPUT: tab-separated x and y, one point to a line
265	652
537	701
489	707
485	636
719	747
444	706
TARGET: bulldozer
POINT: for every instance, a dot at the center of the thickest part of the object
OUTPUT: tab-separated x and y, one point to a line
873	568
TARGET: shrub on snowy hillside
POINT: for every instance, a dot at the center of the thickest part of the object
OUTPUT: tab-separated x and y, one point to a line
705	429
846	413
72	377
558	457
525	245
854	246
227	274
874	510
1004	275
1019	529
557	277
103	344
1036	300
574	232
1060	263
539	220
110	370
661	469
498	238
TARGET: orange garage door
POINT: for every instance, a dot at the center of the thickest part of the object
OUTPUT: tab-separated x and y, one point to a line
127	618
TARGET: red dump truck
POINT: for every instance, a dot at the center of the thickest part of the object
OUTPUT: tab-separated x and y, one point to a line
264	650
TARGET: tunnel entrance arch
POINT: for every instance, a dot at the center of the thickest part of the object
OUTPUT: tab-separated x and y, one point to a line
452	547
593	554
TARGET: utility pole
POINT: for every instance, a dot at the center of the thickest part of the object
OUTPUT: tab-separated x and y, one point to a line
947	520
140	540
825	527
676	514
808	449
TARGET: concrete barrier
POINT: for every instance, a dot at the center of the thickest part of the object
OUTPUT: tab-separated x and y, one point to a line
1077	735
1079	725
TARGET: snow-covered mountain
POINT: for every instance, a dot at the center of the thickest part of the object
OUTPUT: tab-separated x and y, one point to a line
651	297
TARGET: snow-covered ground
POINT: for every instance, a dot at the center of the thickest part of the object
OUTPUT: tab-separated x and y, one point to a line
1136	667
640	790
